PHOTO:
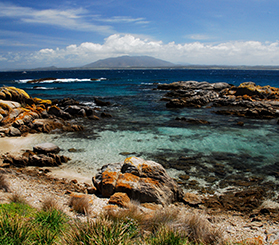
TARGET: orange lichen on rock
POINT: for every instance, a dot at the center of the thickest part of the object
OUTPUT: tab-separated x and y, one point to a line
150	181
127	181
119	198
250	88
109	177
146	168
253	241
41	101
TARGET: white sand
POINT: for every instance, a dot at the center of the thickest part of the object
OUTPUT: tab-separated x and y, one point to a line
16	144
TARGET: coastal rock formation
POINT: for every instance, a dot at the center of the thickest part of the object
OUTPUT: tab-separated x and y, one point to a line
246	100
21	114
44	155
145	181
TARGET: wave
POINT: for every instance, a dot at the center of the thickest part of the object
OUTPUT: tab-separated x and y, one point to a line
60	80
41	88
150	84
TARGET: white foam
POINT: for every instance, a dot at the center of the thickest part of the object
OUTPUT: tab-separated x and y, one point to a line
63	80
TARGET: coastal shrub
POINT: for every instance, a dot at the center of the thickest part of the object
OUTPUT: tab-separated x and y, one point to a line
4	183
80	204
103	231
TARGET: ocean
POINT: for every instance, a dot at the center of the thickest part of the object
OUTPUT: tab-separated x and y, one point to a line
205	158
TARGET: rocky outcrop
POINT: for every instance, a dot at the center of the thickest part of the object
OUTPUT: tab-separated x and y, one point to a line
246	100
44	155
145	181
21	114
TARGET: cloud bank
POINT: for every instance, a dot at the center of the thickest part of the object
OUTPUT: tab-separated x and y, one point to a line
228	53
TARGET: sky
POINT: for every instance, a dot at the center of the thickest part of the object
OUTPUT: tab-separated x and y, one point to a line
73	33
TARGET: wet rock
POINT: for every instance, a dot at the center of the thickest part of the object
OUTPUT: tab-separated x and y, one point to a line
192	120
45	148
99	102
54	110
106	115
246	100
67	101
145	181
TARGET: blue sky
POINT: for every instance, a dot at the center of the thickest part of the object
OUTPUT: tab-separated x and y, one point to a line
74	33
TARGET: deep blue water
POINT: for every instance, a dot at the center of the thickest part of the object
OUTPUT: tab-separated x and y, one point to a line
142	124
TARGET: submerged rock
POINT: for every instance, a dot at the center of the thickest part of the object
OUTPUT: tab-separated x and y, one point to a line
145	181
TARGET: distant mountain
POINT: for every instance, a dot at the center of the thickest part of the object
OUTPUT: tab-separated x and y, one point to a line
130	62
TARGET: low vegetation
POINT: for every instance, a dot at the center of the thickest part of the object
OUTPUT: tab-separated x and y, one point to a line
22	224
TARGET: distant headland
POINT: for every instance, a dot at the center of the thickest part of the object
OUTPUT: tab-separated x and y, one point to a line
145	62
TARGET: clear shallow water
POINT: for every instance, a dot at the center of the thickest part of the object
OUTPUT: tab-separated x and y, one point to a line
143	126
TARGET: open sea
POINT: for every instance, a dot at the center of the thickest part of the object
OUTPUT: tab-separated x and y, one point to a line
203	156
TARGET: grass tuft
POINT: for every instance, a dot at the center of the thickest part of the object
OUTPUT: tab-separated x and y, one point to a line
49	204
4	183
200	230
166	236
14	230
17	197
80	205
49	225
102	231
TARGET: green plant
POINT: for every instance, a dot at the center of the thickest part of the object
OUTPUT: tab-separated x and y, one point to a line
48	225
14	230
103	231
16	208
166	236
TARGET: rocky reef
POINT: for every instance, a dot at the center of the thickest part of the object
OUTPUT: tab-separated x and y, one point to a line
246	100
21	114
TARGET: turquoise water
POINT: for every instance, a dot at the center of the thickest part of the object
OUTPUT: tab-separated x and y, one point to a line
144	127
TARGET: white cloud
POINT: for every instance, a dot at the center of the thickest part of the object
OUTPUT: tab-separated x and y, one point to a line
73	19
121	19
228	53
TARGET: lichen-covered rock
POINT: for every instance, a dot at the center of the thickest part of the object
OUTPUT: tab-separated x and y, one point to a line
145	181
120	199
247	100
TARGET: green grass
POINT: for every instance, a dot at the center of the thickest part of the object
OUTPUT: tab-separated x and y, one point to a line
22	224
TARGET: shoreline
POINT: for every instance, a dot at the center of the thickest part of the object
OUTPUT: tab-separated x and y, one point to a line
36	186
58	180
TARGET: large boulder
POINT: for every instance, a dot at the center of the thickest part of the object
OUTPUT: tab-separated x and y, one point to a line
141	180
